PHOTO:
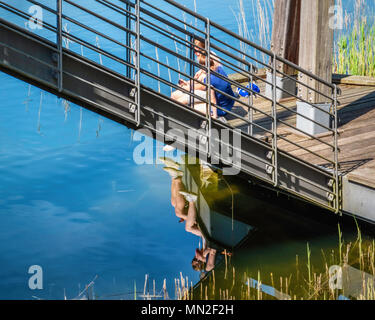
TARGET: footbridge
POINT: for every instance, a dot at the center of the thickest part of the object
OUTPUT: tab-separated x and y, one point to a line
123	59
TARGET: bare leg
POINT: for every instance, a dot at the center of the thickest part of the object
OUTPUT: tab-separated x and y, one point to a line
180	96
183	100
178	200
213	101
176	95
173	193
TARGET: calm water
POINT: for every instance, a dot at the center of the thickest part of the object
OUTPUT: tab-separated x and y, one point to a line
73	201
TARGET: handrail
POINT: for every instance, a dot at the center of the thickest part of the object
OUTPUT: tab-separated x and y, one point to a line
99	16
254	45
173	17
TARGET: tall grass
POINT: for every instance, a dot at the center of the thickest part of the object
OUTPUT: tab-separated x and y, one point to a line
355	51
262	11
354	43
307	282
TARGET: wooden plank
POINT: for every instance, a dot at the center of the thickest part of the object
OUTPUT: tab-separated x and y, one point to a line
321	147
348	145
367	154
363	176
357	155
353	80
352	92
350	130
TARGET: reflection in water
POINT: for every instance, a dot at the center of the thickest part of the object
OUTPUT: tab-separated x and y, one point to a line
103	215
275	245
193	187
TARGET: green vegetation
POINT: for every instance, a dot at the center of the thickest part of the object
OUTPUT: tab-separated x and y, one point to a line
306	282
356	51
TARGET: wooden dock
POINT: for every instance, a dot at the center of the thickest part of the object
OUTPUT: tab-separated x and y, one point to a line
356	130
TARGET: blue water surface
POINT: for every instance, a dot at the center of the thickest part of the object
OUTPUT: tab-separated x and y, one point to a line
73	201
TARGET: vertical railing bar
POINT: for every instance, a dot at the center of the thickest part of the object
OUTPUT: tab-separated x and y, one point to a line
251	101
208	77
193	67
59	44
336	151
128	41
274	111
192	82
138	62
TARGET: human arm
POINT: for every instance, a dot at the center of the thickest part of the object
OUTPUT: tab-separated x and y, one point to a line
191	221
213	103
197	83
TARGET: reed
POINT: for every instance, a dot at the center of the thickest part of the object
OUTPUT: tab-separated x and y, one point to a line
310	283
309	266
262	11
354	43
158	66
355	51
40	111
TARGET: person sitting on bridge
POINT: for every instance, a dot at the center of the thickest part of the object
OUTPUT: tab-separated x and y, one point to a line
223	100
220	97
223	93
198	87
199	51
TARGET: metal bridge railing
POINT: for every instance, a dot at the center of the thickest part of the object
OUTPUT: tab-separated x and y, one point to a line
155	46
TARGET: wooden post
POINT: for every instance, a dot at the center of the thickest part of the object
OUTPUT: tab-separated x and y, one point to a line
285	43
316	46
286	32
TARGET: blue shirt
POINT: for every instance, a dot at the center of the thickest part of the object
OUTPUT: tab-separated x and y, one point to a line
222	85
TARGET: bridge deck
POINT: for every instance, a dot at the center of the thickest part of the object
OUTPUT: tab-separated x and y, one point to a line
356	128
117	91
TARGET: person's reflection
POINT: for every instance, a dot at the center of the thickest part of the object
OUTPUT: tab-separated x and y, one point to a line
177	200
204	259
185	207
177	190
